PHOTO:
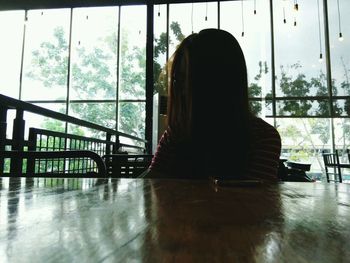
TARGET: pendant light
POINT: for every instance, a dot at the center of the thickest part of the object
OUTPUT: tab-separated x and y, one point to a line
339	23
192	18
206	11
296	6
254	7
319	30
242	9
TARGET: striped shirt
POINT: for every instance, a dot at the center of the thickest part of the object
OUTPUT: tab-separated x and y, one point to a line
263	159
173	158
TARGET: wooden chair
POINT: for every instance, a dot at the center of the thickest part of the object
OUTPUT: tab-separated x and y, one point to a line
331	161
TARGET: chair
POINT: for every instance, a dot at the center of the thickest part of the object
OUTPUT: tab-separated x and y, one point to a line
293	172
331	161
127	165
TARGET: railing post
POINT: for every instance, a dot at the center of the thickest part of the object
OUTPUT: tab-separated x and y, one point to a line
32	138
116	146
3	127
17	142
108	144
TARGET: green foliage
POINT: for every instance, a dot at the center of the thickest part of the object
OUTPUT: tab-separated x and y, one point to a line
160	49
254	89
50	62
91	78
175	27
322	128
296	87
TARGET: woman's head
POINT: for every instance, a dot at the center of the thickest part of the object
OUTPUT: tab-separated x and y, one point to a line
208	83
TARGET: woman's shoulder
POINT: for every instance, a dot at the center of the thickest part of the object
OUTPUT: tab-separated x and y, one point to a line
259	124
262	130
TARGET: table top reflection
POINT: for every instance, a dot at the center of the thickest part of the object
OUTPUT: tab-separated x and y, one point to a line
164	220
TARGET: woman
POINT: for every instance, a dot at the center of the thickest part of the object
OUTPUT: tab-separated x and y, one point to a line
211	131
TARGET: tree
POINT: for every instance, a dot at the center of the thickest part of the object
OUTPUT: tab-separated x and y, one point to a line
92	75
160	48
255	89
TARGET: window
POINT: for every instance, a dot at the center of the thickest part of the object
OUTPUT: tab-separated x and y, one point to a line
46	55
11	32
252	30
94	63
132	71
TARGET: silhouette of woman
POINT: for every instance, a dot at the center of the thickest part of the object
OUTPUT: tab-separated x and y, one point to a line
211	130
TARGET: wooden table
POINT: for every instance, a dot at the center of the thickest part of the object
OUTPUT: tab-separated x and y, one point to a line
140	220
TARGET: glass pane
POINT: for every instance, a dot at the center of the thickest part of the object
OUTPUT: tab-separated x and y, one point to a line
256	107
185	19
303	140
253	34
94	53
160	49
300	108
340	56
298	46
159	67
341	107
102	113
132	52
83	131
11	32
342	142
42	122
46	55
132	118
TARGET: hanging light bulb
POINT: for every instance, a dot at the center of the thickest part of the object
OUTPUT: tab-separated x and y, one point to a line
26	19
341	37
42	13
242	9
158	10
319	30
192	18
296	6
295	22
206	11
254	7
339	23
321	57
284	16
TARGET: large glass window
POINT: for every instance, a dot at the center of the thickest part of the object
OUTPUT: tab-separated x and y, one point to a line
46	55
249	22
301	82
132	70
299	43
339	38
304	139
339	23
185	19
94	53
94	63
11	33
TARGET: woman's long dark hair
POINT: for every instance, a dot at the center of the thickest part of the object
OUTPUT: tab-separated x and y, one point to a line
208	101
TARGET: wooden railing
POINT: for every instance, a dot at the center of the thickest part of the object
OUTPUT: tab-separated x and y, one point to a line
40	140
